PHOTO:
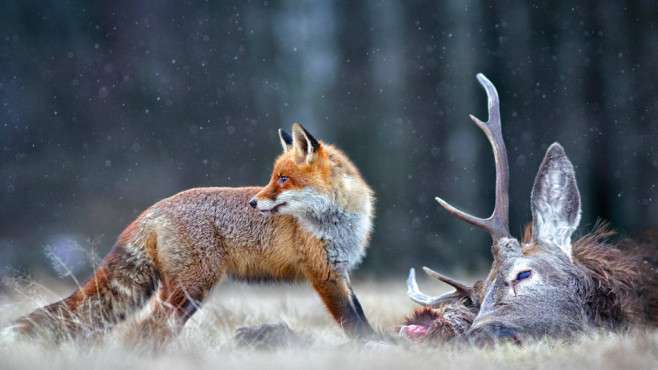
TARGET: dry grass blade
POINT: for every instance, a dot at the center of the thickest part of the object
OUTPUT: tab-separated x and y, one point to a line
207	341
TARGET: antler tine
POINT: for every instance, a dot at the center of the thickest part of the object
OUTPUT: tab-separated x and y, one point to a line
498	223
494	133
461	287
413	291
475	221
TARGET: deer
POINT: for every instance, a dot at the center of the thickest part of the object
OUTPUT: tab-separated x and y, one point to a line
545	284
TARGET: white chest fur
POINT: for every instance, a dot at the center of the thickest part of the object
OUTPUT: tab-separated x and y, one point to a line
345	233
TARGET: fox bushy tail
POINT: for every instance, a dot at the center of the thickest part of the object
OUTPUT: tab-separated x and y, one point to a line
124	281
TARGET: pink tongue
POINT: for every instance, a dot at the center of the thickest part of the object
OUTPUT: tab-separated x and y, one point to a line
413	332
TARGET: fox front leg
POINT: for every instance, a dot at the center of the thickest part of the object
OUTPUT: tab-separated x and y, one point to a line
339	298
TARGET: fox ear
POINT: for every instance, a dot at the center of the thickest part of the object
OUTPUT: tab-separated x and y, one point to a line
305	145
555	200
286	140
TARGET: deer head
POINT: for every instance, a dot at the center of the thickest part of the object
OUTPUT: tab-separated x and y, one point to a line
534	288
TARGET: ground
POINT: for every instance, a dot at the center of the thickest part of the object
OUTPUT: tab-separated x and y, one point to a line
207	341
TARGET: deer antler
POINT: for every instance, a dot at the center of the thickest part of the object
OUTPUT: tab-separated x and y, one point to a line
498	223
413	291
460	287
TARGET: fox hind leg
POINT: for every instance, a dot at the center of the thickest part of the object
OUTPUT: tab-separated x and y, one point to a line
174	304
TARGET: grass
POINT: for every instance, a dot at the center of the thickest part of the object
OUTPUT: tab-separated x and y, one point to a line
207	340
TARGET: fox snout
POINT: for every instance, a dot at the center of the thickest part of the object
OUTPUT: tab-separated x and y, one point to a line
266	205
253	203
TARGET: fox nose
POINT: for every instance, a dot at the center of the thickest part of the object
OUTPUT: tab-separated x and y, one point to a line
253	202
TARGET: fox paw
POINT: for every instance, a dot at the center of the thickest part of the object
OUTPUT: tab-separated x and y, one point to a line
268	336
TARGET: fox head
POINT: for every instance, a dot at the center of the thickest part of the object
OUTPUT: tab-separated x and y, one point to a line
312	180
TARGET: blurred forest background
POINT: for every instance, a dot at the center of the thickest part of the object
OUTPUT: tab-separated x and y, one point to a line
107	107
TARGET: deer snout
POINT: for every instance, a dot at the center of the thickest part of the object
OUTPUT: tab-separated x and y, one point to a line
492	333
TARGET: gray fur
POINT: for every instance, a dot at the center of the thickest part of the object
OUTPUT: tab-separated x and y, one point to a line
345	233
555	201
551	303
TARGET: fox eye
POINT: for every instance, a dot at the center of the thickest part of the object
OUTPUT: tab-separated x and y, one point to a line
523	275
282	180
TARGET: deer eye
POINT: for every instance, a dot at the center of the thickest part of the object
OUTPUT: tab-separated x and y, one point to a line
282	180
523	275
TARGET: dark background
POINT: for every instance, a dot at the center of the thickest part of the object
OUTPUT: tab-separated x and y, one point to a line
107	107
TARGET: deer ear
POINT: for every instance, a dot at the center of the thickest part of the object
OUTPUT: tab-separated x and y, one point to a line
286	140
305	145
555	201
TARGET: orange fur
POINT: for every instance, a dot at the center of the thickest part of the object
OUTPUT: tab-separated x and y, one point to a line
186	244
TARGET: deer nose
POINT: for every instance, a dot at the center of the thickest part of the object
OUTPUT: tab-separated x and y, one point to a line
492	333
253	202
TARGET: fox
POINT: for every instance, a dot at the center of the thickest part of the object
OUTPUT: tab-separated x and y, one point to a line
312	222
